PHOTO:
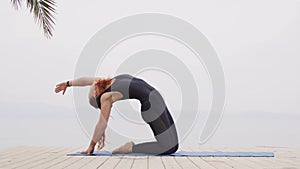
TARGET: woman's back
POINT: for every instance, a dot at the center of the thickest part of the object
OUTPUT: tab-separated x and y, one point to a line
132	87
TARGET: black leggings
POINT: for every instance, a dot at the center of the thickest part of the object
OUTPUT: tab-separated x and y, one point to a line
165	134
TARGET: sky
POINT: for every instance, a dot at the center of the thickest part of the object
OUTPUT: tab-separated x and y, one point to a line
257	43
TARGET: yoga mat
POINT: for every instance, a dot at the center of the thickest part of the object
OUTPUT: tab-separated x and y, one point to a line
185	153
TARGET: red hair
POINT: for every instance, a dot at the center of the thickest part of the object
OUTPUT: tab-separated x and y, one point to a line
101	84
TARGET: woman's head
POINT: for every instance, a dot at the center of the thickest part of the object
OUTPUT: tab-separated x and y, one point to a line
98	87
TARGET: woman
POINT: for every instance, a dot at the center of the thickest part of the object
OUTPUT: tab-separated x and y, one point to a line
104	92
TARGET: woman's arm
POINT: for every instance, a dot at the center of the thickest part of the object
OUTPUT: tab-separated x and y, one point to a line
82	81
102	122
107	100
106	104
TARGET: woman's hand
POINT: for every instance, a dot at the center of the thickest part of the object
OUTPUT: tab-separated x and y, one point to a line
61	87
89	151
101	143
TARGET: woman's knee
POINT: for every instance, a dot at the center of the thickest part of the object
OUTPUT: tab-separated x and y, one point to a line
174	149
171	150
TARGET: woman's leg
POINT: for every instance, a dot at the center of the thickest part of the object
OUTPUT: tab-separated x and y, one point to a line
165	134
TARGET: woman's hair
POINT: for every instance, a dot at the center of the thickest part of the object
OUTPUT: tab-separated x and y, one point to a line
102	84
99	85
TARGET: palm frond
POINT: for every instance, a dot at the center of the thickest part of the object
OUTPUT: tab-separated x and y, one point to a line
16	3
30	4
43	11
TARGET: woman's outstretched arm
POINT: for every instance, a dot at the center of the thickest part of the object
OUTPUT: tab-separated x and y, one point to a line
82	81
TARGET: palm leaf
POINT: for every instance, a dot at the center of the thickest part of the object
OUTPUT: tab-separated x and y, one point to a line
16	3
43	11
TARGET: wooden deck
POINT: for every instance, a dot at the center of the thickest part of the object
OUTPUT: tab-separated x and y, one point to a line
55	157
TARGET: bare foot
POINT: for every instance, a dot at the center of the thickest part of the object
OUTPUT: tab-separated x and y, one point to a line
124	149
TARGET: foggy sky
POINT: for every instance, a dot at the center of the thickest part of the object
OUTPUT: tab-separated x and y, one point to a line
256	41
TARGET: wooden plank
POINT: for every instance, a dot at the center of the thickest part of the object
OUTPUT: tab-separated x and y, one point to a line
97	162
14	151
170	162
53	155
155	162
16	158
34	158
68	161
269	162
290	162
237	162
184	162
241	162
217	162
140	162
274	162
80	163
263	163
251	161
51	163
111	162
198	161
288	156
125	163
254	162
6	151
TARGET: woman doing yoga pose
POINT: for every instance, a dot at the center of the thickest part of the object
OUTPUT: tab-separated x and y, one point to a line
102	95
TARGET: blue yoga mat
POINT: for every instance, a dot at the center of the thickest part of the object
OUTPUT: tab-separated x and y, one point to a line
185	153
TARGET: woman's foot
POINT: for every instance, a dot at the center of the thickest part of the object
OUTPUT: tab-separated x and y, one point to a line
124	149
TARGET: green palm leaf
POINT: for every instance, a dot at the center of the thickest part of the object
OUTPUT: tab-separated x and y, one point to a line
43	11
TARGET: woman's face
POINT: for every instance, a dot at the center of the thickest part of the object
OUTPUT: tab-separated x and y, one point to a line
92	98
92	92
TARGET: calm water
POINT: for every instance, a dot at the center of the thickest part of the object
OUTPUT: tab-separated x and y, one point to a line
244	129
